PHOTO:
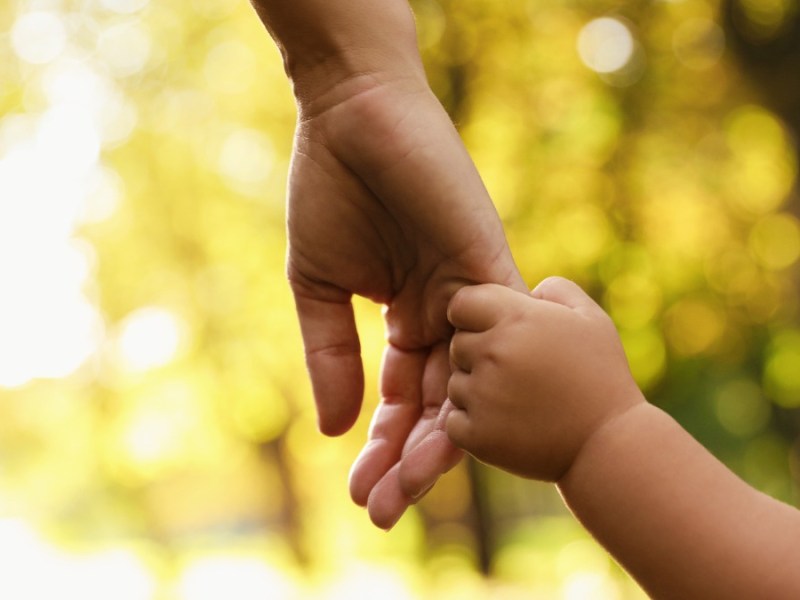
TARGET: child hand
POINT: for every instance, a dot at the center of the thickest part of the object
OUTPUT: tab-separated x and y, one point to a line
534	376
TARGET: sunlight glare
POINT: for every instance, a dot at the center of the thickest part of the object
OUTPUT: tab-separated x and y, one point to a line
34	569
68	141
587	584
114	573
124	7
245	161
605	45
103	195
48	327
150	337
72	83
38	37
240	577
125	48
367	581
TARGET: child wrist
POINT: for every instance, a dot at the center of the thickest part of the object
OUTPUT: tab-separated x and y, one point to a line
607	430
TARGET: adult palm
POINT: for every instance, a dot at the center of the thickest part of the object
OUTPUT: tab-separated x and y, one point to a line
385	203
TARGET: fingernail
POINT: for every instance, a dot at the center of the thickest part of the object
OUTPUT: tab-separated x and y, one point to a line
422	492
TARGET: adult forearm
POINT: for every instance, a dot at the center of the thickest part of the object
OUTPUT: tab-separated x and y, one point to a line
677	519
324	42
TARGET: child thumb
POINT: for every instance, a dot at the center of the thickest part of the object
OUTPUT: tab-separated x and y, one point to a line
563	291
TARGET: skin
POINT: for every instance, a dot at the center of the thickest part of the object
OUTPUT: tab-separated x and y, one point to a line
541	388
383	202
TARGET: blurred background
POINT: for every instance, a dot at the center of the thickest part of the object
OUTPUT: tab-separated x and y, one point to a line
157	433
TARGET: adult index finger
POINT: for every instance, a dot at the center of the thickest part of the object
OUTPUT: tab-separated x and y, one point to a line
333	359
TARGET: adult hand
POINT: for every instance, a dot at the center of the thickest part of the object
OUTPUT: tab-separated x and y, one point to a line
385	203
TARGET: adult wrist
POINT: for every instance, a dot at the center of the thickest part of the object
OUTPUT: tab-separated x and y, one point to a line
343	75
324	43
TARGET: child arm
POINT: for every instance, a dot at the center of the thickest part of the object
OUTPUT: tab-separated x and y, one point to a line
542	388
680	522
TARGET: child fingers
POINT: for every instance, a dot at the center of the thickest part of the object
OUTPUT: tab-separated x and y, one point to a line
477	307
463	350
458	390
563	291
459	429
460	424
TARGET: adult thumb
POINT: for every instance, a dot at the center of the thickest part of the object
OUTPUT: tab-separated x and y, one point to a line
565	292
